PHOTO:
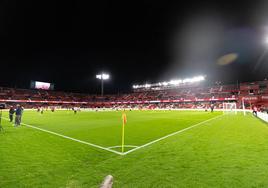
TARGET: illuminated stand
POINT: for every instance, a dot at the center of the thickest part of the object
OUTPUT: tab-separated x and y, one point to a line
171	83
102	77
229	107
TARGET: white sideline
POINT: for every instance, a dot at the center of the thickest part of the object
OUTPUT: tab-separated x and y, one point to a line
172	134
70	138
110	148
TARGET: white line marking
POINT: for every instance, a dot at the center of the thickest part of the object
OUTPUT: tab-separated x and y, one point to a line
113	151
169	135
70	138
127	146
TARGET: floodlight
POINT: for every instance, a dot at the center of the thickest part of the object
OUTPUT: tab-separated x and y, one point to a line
172	82
147	85
198	78
175	82
165	83
105	76
102	77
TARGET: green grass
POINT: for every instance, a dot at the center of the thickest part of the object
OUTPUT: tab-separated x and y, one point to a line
230	151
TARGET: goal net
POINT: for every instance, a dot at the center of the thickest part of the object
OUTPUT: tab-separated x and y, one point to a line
229	107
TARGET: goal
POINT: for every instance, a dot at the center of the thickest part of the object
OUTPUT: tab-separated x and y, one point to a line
229	107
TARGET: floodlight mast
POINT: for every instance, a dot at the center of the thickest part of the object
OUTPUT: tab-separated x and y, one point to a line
102	77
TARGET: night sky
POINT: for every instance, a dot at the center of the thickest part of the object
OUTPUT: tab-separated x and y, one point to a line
69	42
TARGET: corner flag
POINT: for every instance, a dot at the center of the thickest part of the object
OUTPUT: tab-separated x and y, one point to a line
124	121
124	118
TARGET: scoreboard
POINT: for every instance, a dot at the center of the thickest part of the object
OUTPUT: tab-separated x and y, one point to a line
42	85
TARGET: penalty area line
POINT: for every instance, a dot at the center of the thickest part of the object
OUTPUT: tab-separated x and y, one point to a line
70	138
172	134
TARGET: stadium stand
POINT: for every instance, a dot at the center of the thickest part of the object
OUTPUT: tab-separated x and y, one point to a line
188	96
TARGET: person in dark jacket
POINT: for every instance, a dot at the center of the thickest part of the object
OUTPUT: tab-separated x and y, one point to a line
18	114
212	107
11	113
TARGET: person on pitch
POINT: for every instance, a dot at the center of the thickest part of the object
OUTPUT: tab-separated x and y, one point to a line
255	110
206	108
75	110
11	113
212	107
18	114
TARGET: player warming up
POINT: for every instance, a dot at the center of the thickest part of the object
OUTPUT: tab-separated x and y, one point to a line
255	110
212	107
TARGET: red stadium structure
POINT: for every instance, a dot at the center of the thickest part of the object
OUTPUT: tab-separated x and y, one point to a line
185	96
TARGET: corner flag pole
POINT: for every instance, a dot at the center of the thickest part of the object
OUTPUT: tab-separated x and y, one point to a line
123	136
124	120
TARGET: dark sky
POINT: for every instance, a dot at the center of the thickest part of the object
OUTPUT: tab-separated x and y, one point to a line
69	42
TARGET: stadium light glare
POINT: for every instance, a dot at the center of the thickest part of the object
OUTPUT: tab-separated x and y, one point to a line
175	82
102	77
266	40
171	82
147	85
165	83
194	79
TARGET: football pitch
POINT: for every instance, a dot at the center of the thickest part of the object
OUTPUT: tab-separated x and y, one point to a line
162	149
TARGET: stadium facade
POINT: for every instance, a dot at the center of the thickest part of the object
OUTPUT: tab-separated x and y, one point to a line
191	95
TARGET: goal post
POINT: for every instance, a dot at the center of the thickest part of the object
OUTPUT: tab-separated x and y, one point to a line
229	107
243	106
